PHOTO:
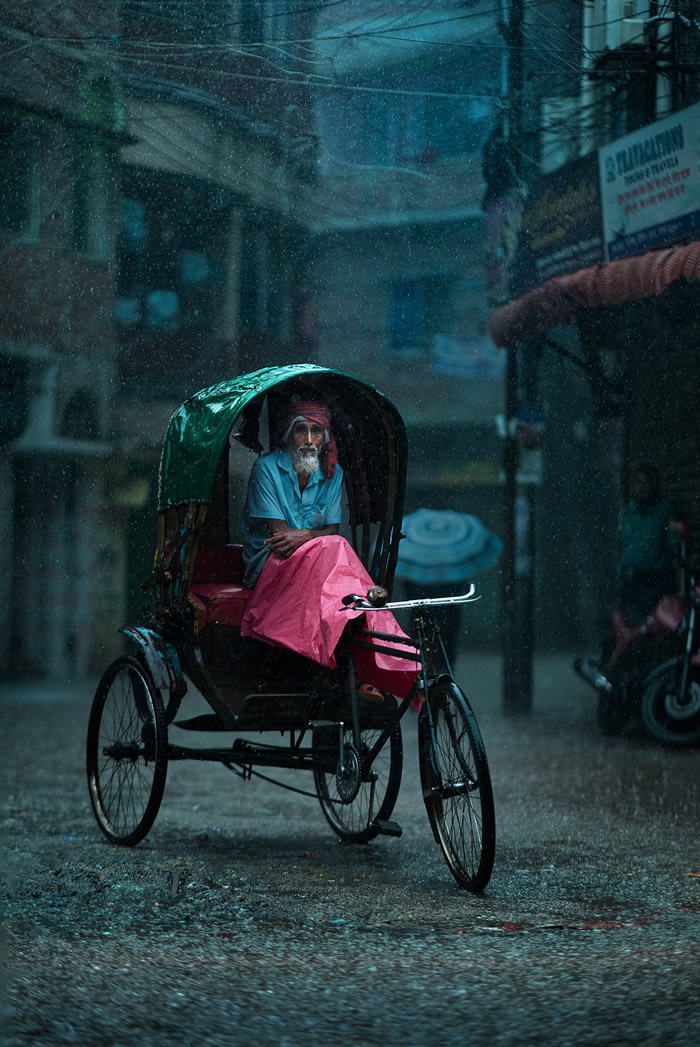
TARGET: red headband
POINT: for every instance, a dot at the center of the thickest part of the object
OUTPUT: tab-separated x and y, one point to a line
319	413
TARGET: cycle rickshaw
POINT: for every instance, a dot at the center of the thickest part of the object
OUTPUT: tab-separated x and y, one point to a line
352	749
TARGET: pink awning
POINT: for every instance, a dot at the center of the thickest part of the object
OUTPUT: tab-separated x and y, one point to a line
611	283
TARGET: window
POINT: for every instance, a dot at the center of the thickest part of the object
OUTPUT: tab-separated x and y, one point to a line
14	397
172	237
102	105
407	317
417	310
80	419
627	109
19	200
420	126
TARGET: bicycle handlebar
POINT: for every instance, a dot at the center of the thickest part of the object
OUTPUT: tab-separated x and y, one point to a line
355	602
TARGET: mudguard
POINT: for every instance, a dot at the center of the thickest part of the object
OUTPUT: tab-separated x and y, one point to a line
162	662
670	663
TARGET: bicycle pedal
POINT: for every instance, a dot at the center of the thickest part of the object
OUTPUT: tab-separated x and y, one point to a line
388	828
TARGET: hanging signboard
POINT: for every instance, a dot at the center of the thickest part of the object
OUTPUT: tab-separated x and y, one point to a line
561	225
650	185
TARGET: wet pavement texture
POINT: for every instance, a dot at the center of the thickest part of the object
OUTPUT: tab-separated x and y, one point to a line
241	918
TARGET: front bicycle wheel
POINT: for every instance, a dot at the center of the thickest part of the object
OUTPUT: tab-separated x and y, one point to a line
457	785
127	752
353	803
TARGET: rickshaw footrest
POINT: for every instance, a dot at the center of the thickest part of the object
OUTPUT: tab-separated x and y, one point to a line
388	828
205	722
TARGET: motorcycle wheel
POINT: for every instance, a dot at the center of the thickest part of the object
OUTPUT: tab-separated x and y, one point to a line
669	716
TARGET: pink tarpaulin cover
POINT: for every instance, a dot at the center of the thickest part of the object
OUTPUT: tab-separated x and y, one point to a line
297	603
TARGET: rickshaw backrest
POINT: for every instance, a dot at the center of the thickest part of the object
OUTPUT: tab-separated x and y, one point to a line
217	590
218	564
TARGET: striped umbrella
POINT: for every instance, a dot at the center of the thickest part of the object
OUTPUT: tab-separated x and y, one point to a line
441	545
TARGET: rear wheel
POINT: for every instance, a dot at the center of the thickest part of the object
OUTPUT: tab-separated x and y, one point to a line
127	752
353	803
457	785
670	714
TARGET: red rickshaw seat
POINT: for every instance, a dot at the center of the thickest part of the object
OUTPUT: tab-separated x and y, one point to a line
217	589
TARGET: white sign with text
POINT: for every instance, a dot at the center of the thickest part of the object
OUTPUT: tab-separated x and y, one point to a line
650	185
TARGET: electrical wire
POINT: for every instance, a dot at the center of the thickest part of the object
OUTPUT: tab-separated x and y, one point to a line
194	47
317	81
528	4
318	84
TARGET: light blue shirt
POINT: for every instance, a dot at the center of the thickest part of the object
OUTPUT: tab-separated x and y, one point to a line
273	494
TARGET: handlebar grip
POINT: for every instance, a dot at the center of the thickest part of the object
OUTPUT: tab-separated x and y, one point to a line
376	597
351	599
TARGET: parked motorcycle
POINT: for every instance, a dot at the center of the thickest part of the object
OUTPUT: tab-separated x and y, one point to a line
671	698
652	672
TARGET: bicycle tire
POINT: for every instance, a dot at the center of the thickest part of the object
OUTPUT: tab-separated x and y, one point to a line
456	785
127	752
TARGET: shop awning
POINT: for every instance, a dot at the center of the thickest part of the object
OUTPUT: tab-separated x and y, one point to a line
611	283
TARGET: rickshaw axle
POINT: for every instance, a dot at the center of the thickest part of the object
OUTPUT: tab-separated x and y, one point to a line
246	753
446	792
132	752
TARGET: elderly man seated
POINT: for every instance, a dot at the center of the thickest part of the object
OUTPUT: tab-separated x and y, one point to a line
293	492
298	563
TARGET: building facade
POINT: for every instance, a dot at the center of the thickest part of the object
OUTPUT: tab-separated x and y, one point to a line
62	123
397	273
606	273
153	231
194	190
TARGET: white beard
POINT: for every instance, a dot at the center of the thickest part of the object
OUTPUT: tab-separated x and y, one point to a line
305	460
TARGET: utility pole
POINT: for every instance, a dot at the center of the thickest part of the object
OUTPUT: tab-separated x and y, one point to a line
516	77
517	593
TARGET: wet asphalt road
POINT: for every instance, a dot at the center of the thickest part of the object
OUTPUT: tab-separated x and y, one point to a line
241	919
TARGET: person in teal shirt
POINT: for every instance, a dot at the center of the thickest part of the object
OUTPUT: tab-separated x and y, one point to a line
294	492
647	541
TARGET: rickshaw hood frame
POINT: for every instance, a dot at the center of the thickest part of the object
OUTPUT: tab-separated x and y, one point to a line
199	428
368	428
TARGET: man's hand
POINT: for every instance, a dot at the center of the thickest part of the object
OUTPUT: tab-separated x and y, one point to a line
284	540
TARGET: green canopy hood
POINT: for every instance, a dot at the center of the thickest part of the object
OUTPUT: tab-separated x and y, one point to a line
199	430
